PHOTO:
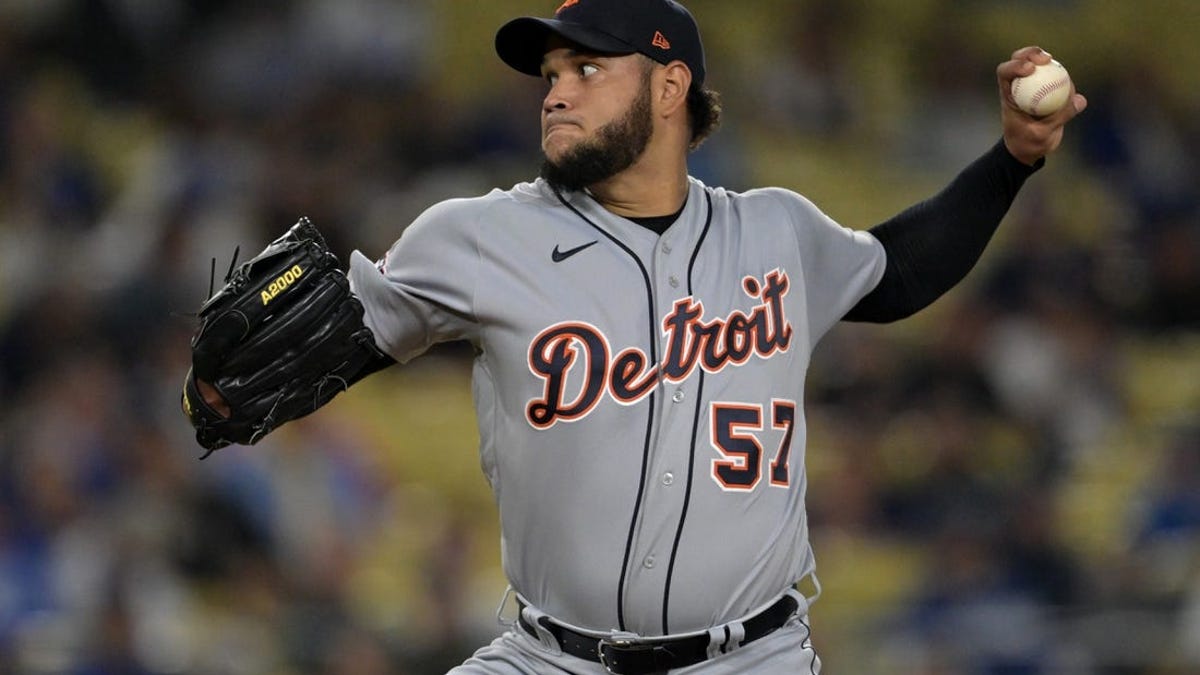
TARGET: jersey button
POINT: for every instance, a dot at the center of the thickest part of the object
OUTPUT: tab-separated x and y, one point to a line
648	563
677	396
666	248
674	281
668	478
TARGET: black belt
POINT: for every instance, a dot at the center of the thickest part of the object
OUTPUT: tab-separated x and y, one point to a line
642	656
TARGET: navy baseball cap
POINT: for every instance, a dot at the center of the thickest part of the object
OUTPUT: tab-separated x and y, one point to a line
661	29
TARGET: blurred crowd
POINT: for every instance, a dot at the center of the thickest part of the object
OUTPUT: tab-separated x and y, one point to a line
1007	483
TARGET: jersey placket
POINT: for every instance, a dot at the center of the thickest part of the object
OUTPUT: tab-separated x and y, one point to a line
647	594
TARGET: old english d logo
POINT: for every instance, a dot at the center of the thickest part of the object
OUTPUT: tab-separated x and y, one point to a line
659	40
565	5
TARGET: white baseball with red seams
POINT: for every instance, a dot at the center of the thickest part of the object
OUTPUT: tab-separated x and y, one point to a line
1044	91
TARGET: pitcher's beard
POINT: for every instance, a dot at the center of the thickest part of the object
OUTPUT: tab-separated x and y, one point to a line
616	147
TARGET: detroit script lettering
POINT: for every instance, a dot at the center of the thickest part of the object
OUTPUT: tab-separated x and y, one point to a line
573	358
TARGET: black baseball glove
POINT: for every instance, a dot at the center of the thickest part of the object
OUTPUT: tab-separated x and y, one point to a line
279	340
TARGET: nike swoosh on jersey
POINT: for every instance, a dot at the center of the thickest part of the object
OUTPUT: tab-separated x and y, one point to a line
559	256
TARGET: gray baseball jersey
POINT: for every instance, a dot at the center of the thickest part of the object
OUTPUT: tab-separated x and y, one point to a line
639	397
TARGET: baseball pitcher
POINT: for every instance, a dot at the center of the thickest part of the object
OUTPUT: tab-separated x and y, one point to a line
642	344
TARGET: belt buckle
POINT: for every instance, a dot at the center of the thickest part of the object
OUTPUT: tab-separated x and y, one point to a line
620	643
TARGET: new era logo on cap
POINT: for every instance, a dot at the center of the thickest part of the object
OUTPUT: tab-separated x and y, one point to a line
607	27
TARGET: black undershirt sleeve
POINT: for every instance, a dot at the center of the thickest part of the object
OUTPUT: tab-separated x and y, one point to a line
933	244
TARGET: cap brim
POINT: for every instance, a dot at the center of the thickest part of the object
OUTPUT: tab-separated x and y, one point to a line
521	43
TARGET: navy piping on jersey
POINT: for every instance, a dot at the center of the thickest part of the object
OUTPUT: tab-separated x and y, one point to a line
637	506
807	644
687	495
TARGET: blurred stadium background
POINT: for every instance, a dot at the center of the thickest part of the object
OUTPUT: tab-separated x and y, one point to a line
1008	483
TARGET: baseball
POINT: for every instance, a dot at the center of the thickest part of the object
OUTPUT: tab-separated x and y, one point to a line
1043	92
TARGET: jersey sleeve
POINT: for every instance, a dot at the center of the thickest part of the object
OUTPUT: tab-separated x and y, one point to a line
840	265
422	292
